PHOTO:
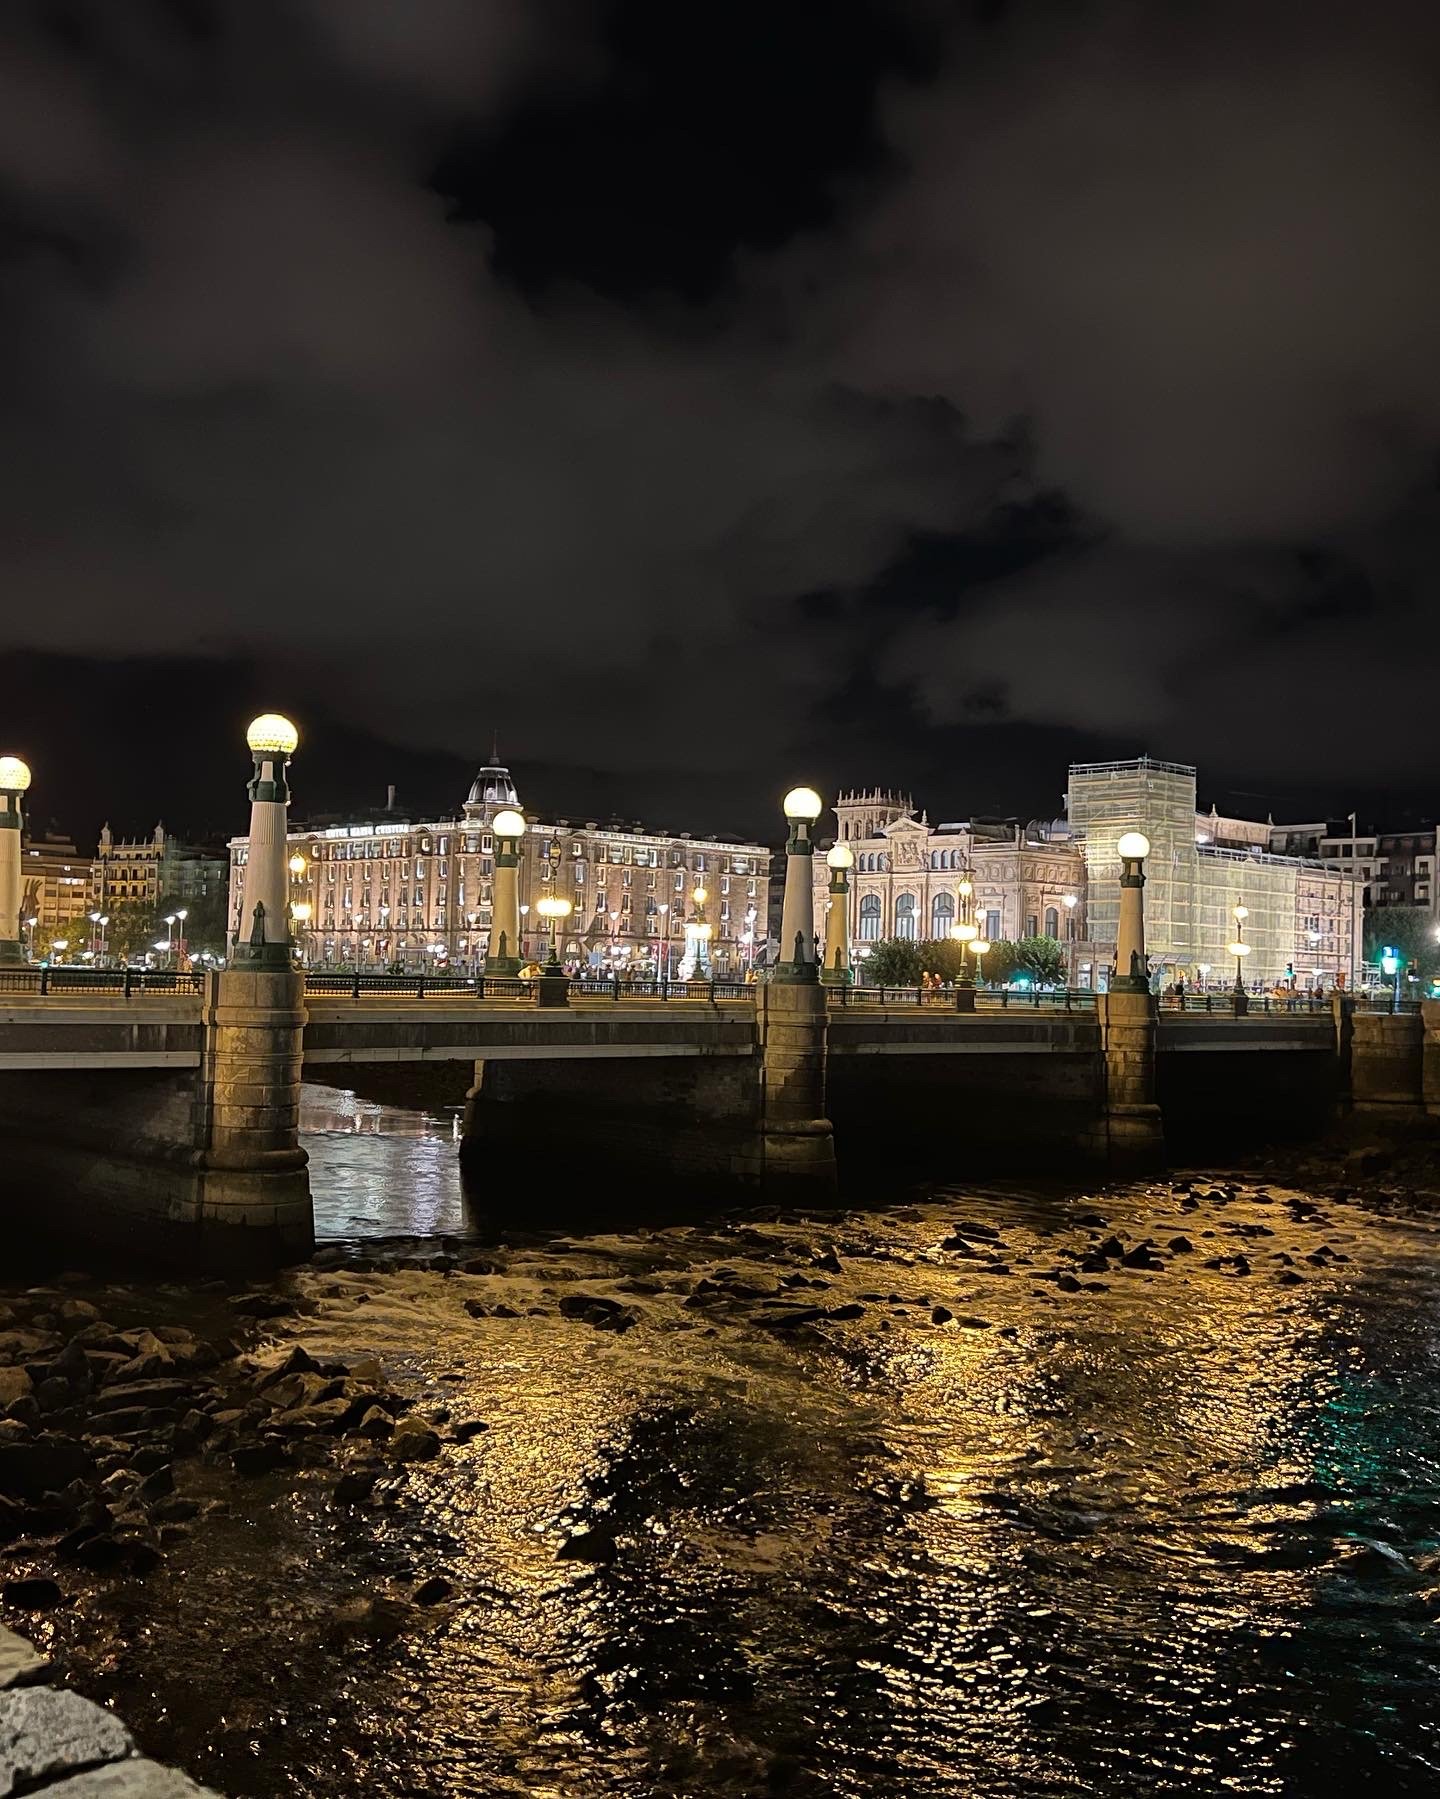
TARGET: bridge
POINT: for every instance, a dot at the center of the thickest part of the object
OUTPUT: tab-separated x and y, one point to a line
135	1105
170	1104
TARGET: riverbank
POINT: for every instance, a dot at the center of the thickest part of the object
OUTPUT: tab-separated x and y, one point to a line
961	1495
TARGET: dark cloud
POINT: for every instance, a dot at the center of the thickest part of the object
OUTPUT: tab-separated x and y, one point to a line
461	359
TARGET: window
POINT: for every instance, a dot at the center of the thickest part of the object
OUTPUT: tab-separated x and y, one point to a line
1032	925
942	914
870	918
1052	921
992	926
905	915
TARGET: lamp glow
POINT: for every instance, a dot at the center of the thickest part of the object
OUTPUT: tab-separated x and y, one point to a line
508	823
1134	846
298	864
1241	912
803	803
1239	949
272	734
842	856
966	888
699	896
14	774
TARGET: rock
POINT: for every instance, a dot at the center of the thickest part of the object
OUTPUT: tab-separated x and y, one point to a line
1287	1277
414	1441
44	1465
594	1546
15	1383
1112	1247
158	1482
1067	1283
432	1591
994	1268
468	1430
298	1361
21	1663
175	1509
374	1424
941	1315
137	1778
791	1318
1140	1257
829	1261
846	1312
355	1487
153	1395
306	1420
1369	1158
53	1393
253	1459
35	1593
45	1734
262	1305
1180	1245
985	1233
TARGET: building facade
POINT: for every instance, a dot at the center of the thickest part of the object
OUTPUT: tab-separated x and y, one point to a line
1061	879
1304	918
1028	879
54	893
143	871
393	891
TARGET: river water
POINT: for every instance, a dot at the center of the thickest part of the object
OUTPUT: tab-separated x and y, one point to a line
1149	1530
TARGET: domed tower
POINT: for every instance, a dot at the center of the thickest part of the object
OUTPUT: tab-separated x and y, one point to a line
491	789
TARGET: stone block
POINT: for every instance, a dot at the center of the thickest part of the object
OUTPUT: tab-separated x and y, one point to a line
134	1779
45	1734
21	1663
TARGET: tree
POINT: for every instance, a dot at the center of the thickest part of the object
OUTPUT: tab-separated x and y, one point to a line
893	962
206	921
1042	959
1410	932
131	930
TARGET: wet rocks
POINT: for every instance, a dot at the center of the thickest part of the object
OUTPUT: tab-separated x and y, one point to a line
941	1315
468	1430
21	1664
596	1310
34	1593
45	1734
413	1441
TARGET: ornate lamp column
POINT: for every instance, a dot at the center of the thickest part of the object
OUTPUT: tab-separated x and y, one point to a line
503	954
965	933
1132	971
263	938
14	781
797	916
553	987
836	972
1240	949
701	971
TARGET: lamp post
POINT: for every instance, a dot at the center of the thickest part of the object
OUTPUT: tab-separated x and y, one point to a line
302	911
662	943
836	973
700	934
14	781
524	915
263	939
977	947
553	989
797	915
502	955
170	938
1240	949
966	933
1132	970
182	942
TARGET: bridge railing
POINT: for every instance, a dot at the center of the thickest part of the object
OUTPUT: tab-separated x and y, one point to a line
128	983
349	985
987	999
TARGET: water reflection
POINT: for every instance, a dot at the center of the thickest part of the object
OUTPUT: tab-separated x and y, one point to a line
976	1530
378	1170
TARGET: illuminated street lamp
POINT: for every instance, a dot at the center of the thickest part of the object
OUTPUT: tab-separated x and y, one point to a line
977	947
662	942
836	972
263	937
1240	949
502	954
802	807
553	989
1132	969
700	969
14	782
170	937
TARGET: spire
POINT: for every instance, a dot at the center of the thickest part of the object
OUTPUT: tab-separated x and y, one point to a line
494	747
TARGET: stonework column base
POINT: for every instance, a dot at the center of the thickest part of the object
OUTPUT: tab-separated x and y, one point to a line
553	989
799	1159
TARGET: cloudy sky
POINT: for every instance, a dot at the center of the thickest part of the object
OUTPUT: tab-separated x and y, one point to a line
862	390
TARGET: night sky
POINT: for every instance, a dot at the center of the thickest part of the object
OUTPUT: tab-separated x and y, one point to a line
711	397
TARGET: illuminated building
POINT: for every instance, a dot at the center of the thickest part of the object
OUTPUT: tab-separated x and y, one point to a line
392	889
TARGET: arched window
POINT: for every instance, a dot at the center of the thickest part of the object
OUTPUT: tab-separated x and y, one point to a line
905	915
942	915
1052	921
870	918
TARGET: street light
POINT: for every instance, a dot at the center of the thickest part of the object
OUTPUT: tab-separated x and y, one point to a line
839	860
14	783
802	806
1240	949
298	865
552	908
503	950
1132	967
662	941
170	935
263	938
182	913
